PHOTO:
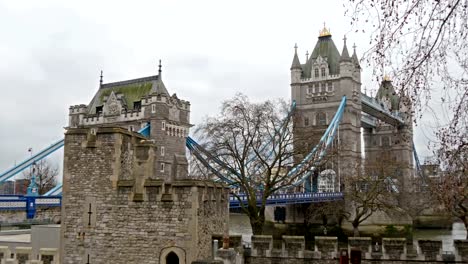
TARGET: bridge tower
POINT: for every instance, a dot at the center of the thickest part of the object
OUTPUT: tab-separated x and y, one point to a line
132	104
318	86
389	142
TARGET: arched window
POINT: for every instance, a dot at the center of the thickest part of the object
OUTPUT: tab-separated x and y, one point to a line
172	258
326	181
321	119
323	72
316	73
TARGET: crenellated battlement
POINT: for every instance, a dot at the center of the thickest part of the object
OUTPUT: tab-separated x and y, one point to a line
326	250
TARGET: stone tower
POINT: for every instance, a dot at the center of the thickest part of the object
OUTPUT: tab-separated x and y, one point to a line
126	198
318	86
392	143
132	104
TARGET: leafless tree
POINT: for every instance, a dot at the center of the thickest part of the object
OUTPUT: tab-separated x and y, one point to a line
375	187
451	188
255	140
46	175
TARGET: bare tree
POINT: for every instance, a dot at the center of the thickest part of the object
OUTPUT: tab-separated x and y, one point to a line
375	187
255	141
46	175
451	188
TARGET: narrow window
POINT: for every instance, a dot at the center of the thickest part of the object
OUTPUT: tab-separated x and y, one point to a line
162	167
316	73
385	141
314	89
163	125
163	151
137	105
130	128
323	72
306	121
153	108
330	87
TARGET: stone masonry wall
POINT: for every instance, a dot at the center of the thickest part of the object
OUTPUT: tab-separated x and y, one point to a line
48	214
115	209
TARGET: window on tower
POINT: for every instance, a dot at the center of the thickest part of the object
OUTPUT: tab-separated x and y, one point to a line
321	119
137	105
316	73
323	72
99	110
330	87
306	121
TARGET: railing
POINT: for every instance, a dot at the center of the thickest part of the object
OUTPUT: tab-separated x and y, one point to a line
292	198
28	203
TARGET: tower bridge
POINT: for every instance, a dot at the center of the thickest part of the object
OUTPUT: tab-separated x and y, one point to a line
150	168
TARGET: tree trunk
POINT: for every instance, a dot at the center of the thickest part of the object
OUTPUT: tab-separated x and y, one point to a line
355	229
257	222
465	221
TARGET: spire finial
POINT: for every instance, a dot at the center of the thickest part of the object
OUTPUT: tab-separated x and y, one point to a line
354	47
100	80
324	32
307	55
160	66
344	39
295	47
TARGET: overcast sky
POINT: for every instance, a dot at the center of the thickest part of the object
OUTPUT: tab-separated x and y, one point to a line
52	52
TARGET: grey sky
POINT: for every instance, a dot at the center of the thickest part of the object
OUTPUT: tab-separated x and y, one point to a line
52	52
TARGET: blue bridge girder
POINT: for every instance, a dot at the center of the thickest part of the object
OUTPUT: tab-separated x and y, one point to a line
374	108
289	198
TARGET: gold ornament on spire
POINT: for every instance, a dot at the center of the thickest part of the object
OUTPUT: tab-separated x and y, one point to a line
387	78
324	32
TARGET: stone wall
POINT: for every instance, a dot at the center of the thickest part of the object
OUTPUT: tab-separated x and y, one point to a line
392	251
115	208
43	215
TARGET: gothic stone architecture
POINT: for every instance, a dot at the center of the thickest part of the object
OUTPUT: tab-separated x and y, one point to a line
126	197
318	86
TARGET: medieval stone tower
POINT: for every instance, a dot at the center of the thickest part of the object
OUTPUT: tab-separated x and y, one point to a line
318	86
126	197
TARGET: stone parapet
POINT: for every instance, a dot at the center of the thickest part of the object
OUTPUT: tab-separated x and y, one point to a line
364	244
261	245
328	246
394	248
461	250
293	246
431	249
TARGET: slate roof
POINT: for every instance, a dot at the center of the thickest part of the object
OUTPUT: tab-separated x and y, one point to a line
326	48
131	90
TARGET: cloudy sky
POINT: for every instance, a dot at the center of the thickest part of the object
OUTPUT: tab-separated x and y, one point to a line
52	52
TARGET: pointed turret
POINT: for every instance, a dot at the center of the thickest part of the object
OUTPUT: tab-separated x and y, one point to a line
354	58
296	68
296	64
345	54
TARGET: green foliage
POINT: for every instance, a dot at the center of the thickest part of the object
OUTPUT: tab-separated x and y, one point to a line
391	231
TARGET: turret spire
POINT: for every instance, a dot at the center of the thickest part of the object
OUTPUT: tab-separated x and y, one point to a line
345	54
296	64
100	80
354	58
159	71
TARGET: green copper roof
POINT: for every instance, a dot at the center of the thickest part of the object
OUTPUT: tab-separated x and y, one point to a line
326	48
131	91
386	90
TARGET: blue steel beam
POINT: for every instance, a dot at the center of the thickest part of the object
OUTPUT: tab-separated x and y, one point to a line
54	191
28	162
